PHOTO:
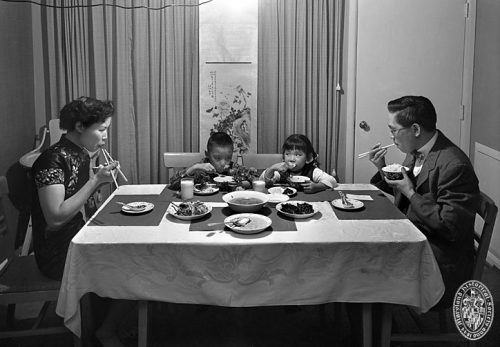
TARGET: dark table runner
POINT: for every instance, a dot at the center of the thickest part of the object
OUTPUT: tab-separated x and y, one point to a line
378	208
111	214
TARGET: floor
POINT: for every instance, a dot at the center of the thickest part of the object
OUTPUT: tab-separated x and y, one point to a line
194	325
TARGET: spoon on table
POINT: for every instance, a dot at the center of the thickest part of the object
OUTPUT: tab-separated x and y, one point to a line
239	222
130	207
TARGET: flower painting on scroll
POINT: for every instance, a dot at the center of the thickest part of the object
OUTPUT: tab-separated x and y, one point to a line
232	115
228	104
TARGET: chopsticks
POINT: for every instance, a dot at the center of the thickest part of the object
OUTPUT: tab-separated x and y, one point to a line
107	163
362	155
108	156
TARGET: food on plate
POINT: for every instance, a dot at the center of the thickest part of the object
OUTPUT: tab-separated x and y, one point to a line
288	191
246	201
191	208
393	171
299	208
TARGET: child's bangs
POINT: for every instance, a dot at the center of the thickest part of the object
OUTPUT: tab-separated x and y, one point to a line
295	144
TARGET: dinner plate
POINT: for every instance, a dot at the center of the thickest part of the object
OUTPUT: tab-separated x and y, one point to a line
356	204
299	179
257	224
171	210
283	190
220	179
206	191
147	207
279	207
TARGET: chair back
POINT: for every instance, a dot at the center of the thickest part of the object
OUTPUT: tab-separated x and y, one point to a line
55	132
488	212
179	160
261	161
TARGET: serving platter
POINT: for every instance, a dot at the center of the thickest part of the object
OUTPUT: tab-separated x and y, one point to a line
279	208
173	212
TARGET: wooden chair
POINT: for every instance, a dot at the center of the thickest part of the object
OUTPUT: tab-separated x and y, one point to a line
261	161
22	282
179	160
488	212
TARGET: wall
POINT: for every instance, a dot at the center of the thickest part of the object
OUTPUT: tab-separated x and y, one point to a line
17	123
485	127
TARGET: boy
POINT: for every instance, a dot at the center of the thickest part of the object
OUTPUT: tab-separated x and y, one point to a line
218	160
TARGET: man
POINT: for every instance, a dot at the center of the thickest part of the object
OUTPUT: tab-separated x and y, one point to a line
439	193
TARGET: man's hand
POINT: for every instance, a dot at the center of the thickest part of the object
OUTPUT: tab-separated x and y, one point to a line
405	185
377	156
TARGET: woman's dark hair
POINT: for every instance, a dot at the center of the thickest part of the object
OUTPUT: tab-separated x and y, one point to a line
219	139
85	110
414	109
301	143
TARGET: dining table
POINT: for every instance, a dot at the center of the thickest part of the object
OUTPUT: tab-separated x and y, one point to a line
371	254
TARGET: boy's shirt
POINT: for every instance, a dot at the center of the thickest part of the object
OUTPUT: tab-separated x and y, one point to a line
175	180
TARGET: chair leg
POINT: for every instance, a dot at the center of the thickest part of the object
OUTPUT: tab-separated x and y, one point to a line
367	324
386	329
11	313
143	328
41	315
443	325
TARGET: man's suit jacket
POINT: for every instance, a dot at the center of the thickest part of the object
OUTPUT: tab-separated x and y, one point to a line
443	208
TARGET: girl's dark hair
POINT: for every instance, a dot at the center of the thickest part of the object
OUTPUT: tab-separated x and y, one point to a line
85	110
302	143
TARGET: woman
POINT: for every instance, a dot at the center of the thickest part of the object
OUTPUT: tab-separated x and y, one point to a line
63	183
63	186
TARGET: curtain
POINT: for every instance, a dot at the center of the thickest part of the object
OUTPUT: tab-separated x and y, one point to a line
299	69
144	60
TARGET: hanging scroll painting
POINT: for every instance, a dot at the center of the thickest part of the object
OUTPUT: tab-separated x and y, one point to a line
228	72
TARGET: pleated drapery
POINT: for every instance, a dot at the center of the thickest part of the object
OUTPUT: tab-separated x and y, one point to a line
299	69
146	61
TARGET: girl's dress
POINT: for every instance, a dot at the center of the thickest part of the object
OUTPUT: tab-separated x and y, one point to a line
63	163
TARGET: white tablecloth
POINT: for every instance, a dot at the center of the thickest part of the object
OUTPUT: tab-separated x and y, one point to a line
325	260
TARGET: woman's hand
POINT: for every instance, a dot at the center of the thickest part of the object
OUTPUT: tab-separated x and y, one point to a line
103	173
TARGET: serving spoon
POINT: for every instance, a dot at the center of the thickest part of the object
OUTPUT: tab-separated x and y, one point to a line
239	222
130	207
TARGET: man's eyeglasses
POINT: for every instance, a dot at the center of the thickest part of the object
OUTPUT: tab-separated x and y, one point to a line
394	132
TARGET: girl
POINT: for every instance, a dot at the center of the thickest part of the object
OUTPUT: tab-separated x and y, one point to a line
299	158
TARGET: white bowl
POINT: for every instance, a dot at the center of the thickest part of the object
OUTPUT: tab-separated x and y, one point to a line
299	179
246	201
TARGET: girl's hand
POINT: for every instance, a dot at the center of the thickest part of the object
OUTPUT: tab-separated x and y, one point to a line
280	167
311	187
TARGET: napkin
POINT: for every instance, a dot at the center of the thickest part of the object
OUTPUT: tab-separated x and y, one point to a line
359	197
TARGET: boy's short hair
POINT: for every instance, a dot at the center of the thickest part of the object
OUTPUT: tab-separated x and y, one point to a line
219	139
